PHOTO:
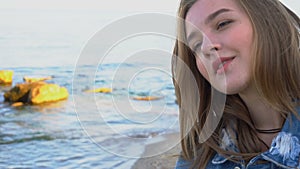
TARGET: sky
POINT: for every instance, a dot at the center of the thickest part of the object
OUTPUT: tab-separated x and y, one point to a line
293	4
114	5
39	29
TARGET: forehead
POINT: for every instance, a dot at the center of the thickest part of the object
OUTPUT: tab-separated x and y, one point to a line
203	8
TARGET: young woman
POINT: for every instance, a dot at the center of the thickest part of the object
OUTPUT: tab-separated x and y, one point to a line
248	52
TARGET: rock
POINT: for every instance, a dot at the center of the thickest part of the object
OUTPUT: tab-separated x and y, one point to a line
17	104
20	92
147	98
47	93
35	79
100	90
6	76
36	93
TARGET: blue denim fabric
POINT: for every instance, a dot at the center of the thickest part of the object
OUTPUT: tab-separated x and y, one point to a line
283	154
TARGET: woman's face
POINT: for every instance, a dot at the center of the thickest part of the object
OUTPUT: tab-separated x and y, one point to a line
221	37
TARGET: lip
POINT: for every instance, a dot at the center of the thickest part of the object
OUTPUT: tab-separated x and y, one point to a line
219	61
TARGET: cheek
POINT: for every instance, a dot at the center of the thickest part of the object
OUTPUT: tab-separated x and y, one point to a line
243	39
201	67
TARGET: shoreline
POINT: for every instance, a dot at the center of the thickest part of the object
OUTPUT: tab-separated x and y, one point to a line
165	160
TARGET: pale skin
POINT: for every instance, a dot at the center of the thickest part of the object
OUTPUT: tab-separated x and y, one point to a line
221	35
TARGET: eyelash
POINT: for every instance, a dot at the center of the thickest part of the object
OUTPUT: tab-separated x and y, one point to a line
222	24
196	46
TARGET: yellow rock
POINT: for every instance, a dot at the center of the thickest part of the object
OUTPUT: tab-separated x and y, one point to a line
19	93
35	79
17	104
146	98
36	93
47	93
100	90
6	76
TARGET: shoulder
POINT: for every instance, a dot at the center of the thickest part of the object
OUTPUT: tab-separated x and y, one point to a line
285	147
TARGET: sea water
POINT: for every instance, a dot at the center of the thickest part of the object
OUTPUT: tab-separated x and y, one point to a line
88	130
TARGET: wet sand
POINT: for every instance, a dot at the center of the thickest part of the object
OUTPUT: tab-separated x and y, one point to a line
165	160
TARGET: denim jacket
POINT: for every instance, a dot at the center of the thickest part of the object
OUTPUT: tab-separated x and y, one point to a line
283	154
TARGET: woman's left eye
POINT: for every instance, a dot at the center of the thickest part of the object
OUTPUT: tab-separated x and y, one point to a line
197	46
222	24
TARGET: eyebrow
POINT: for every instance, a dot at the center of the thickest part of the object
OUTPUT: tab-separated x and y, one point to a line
215	14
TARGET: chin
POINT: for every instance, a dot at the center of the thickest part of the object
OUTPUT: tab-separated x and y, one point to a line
232	86
228	90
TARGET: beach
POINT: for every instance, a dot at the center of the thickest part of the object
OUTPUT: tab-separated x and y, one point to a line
165	160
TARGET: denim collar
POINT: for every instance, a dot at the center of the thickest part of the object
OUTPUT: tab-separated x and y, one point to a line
285	147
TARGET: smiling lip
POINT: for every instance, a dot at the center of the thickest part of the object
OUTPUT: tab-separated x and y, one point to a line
220	64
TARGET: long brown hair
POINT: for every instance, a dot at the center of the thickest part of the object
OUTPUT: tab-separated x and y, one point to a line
276	74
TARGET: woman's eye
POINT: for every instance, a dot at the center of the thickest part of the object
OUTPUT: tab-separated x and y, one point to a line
197	46
222	24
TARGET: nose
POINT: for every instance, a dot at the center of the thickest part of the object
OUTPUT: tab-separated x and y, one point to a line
210	46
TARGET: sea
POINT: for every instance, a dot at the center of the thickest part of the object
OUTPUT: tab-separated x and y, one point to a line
87	130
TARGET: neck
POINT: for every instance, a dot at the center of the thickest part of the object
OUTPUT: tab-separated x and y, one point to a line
262	114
